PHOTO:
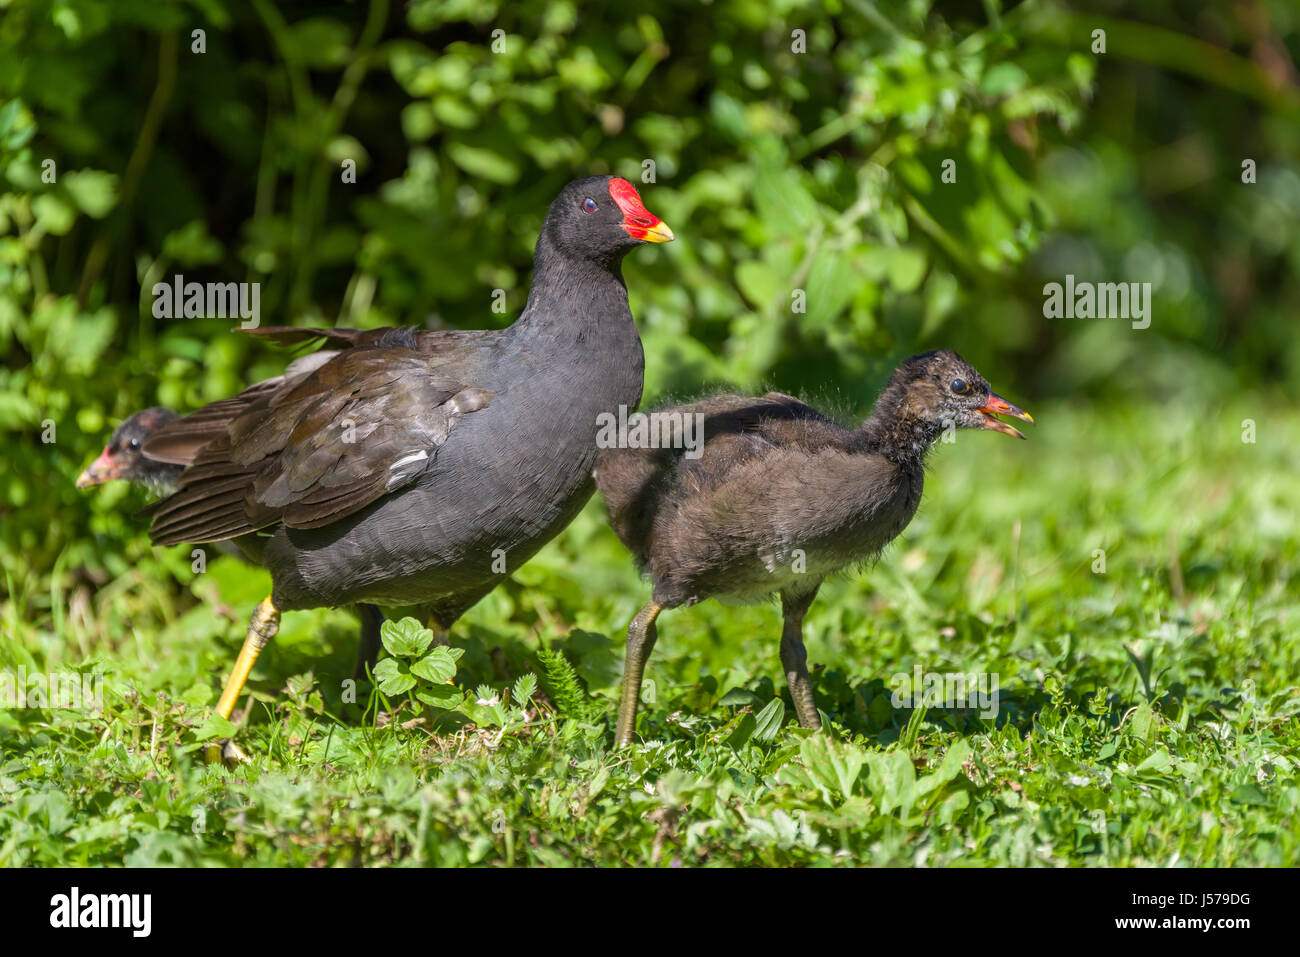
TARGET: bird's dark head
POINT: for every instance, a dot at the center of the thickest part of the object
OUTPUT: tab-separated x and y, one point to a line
935	391
123	457
600	218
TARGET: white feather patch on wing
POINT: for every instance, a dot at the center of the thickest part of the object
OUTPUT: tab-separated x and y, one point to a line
405	467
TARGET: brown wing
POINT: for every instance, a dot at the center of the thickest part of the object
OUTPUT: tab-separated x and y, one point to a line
314	446
181	444
633	480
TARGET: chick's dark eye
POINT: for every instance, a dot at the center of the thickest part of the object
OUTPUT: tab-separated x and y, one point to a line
589	204
959	386
135	444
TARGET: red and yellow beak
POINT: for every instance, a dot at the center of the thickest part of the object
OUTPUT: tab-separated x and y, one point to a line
1000	406
639	222
103	469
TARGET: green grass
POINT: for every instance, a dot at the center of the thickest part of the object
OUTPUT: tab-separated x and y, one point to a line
1148	713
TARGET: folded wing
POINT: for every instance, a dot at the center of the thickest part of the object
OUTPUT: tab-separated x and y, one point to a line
337	431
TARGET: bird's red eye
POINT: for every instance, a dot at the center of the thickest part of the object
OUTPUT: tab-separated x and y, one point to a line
589	204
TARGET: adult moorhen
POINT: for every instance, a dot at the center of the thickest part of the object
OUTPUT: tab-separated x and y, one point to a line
123	459
779	498
421	467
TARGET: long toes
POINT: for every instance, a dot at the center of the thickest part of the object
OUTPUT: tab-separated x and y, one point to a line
225	752
233	754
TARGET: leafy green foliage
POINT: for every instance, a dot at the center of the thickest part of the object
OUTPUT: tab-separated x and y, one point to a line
412	666
564	686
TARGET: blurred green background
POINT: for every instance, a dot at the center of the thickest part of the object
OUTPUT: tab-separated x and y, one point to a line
794	146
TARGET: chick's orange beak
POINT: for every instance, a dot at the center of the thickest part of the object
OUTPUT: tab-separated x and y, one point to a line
102	470
639	222
997	405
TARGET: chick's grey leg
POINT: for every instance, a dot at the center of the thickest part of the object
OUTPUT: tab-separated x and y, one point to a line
795	658
641	637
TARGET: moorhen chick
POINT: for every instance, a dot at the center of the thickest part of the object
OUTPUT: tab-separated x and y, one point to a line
779	498
422	467
123	459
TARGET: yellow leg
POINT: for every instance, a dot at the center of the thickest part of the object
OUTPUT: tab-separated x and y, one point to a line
261	629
